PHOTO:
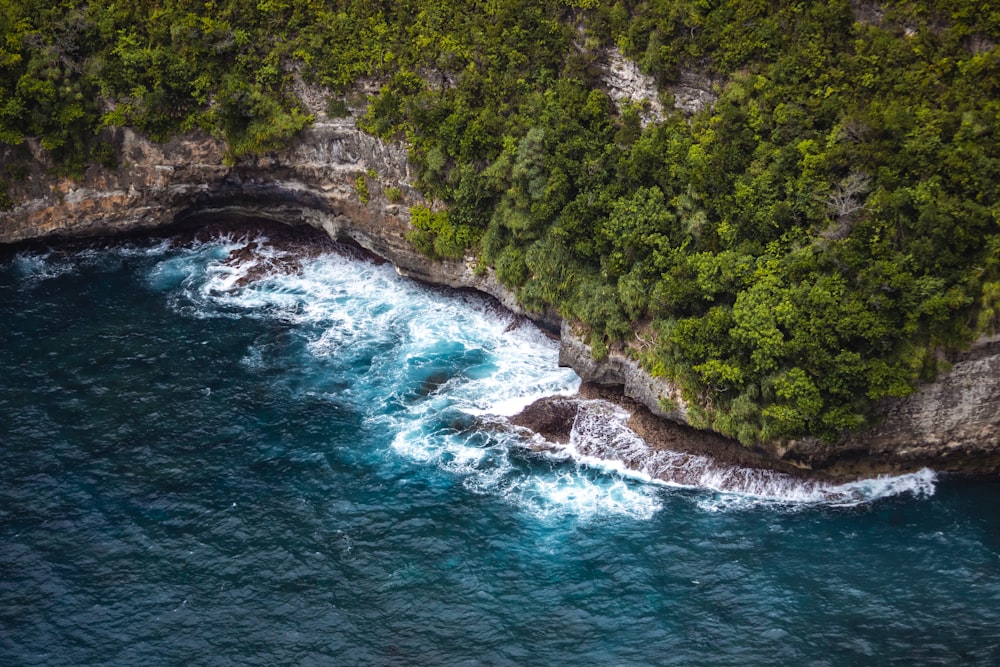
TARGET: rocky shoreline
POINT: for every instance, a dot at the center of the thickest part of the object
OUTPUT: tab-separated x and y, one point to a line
553	418
950	425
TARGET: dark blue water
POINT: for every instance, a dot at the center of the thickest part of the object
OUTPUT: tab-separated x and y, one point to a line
194	470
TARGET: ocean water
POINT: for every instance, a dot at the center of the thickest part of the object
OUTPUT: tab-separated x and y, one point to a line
224	451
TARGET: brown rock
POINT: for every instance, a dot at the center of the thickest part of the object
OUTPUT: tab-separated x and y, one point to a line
552	418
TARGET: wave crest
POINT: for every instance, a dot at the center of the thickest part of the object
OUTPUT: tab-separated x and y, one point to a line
600	437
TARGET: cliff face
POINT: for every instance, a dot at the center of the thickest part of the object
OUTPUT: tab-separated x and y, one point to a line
952	424
314	182
659	396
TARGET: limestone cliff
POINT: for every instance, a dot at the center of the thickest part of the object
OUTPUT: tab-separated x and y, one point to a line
952	424
661	397
315	182
625	83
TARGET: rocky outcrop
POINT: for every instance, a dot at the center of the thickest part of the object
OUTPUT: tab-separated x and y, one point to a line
551	417
867	12
952	424
949	425
693	92
660	397
626	84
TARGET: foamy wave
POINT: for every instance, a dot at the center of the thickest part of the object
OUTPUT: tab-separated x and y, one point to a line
601	438
434	359
574	492
563	490
36	267
421	362
352	302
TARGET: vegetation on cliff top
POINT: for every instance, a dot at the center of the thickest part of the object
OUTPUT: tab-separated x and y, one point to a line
810	243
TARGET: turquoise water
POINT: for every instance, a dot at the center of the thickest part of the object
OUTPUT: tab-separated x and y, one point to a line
302	470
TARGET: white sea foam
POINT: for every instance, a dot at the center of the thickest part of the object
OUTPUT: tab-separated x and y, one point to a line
573	491
436	359
601	438
425	362
35	267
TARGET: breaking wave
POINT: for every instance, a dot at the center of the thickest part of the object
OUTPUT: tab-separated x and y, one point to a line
426	366
601	438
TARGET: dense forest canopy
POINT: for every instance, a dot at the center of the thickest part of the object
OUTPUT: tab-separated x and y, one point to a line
817	238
